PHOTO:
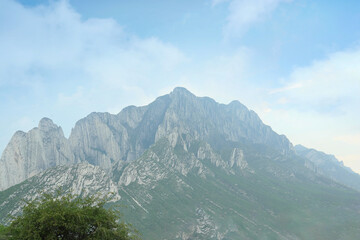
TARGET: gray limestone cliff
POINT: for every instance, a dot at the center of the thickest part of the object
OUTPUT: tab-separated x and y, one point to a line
81	179
189	118
104	139
30	153
98	139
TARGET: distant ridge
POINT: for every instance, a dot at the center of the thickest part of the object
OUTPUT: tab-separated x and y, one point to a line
329	166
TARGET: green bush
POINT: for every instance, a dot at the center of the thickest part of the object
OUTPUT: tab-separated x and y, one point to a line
3	232
68	217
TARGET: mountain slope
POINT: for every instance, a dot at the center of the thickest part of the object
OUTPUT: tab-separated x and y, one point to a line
273	197
329	166
80	179
170	193
188	168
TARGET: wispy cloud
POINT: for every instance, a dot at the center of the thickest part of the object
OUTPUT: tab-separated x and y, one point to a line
351	139
331	84
286	88
244	13
64	66
318	106
225	77
53	44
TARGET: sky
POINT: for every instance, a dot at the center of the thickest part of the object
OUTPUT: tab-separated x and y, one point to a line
294	62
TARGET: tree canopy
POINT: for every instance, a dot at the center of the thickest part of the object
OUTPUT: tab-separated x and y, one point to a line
58	216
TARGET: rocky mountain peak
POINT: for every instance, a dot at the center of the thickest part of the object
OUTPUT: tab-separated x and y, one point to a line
181	91
237	104
19	133
104	139
29	153
46	124
181	97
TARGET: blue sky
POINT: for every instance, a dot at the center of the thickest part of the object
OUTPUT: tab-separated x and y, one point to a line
295	62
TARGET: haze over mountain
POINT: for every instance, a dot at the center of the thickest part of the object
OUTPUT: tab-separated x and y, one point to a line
188	168
103	139
295	64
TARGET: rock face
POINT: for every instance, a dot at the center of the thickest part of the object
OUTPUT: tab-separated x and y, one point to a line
30	153
237	193
80	179
237	159
98	139
204	119
103	139
181	117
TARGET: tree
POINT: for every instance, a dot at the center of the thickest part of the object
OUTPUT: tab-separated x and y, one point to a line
69	217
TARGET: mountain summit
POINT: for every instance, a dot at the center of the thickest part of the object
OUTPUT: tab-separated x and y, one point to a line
188	167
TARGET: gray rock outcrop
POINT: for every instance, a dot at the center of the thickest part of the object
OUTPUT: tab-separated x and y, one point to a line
30	153
181	117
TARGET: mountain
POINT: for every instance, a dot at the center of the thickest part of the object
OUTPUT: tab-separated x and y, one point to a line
188	168
329	166
103	139
242	192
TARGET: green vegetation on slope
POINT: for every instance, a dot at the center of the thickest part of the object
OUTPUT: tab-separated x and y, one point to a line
275	198
170	193
68	217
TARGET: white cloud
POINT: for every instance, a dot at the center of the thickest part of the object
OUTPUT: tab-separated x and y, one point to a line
318	106
64	66
53	44
224	78
243	13
350	139
286	88
70	99
328	85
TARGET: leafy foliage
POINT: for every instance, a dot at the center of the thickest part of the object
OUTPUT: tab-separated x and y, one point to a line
3	232
68	217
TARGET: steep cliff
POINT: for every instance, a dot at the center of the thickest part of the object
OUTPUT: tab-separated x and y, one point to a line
30	153
181	117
